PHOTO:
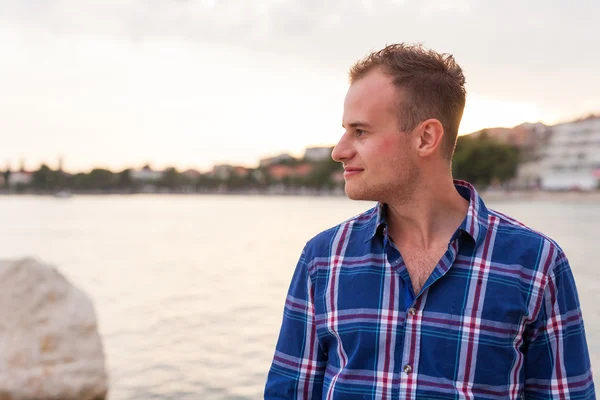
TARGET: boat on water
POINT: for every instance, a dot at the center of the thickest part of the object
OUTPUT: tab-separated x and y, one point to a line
63	194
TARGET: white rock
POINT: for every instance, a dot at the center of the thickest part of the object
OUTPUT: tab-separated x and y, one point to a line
49	342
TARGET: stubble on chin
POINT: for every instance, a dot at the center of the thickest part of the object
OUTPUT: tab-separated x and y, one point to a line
399	192
364	192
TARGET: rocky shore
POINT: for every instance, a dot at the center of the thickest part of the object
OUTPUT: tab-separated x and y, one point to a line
50	347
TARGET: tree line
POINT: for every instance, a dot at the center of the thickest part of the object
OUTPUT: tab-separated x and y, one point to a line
480	160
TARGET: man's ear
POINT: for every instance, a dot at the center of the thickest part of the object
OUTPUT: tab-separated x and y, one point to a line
430	134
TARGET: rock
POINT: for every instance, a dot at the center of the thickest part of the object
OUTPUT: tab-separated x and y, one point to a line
50	348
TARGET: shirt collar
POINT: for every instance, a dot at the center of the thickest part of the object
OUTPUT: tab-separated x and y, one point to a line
377	220
475	223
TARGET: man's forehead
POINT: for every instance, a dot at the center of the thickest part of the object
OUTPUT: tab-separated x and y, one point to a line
375	87
369	97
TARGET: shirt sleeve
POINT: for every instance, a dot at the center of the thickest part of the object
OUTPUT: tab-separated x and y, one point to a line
298	366
557	362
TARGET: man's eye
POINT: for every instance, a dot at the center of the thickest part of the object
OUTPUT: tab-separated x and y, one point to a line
360	132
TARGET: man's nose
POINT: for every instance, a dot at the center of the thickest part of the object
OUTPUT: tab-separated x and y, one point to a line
342	150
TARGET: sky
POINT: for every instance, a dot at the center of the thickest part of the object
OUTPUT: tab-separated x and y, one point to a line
192	84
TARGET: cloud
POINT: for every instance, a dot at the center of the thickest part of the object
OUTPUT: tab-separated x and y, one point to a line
538	34
128	71
527	43
264	24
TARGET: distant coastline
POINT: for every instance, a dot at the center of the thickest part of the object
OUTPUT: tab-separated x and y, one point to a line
488	195
542	195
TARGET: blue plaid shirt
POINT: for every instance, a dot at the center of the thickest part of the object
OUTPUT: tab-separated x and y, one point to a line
498	318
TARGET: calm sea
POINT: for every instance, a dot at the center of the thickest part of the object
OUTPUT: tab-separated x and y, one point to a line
189	290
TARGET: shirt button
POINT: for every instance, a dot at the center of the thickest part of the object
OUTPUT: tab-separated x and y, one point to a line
412	311
407	369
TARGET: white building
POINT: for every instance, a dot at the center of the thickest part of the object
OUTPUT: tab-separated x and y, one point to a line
317	153
572	158
532	143
529	175
146	174
17	178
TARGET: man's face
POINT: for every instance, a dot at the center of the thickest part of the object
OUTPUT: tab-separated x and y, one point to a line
378	160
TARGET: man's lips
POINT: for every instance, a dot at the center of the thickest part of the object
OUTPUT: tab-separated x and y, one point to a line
350	171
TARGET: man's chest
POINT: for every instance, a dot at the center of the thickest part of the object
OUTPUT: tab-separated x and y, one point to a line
419	263
363	322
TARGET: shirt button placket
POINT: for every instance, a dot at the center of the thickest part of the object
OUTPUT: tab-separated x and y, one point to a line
408	368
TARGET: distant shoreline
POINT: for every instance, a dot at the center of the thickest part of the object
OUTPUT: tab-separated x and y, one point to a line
540	195
489	195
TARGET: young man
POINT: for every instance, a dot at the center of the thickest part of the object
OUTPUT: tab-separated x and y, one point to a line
430	294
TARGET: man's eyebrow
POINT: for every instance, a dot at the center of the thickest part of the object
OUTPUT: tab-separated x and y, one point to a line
357	124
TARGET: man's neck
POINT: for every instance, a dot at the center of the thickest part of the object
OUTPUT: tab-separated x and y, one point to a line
429	218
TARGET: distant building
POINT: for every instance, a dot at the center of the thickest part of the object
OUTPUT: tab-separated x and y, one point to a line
223	171
529	175
241	171
303	169
258	175
532	140
191	174
572	157
315	154
267	162
18	178
146	174
279	171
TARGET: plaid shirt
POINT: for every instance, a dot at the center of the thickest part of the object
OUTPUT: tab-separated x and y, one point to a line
498	318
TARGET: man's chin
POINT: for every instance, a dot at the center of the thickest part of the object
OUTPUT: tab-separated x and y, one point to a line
354	193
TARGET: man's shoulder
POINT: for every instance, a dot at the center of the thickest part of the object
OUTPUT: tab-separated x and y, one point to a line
510	231
358	226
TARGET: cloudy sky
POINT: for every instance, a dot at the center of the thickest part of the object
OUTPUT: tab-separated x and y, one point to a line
115	83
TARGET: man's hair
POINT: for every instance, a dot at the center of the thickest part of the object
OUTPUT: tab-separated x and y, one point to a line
433	85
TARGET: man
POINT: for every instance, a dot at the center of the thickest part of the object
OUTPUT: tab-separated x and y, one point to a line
430	294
